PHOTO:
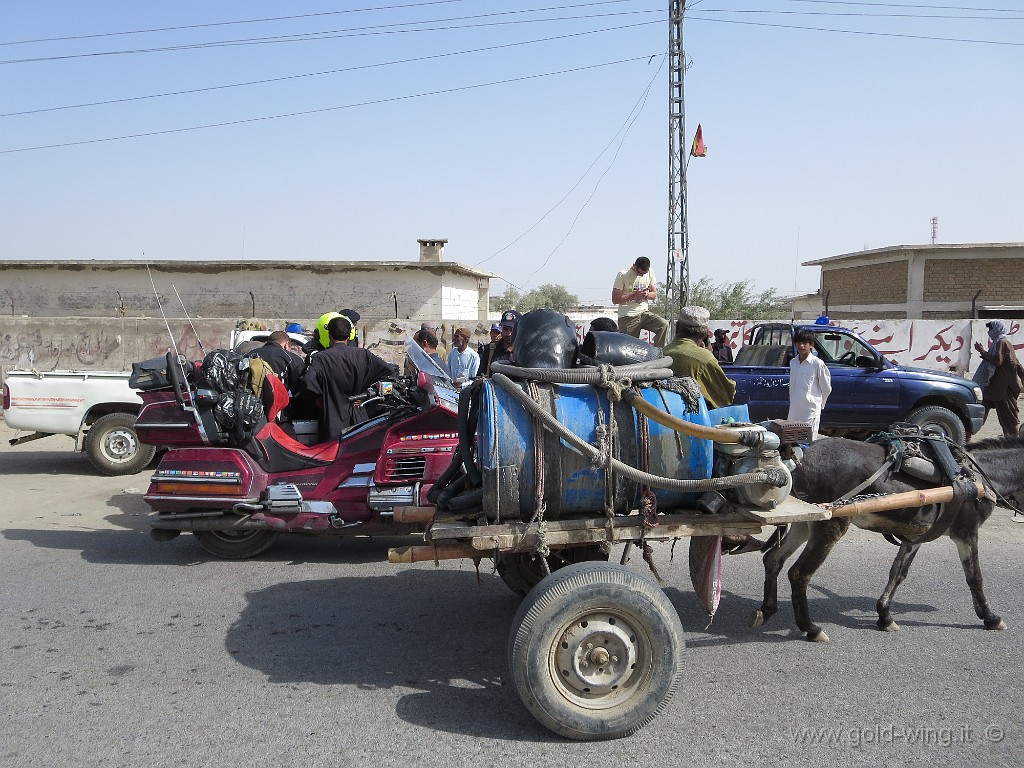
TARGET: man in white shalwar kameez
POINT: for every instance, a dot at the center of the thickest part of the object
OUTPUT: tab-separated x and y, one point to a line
810	383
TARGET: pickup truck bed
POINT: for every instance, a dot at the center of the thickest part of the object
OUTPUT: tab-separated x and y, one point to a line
97	408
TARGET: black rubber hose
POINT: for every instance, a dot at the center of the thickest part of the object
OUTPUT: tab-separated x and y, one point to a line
651	370
468	500
446	477
467	432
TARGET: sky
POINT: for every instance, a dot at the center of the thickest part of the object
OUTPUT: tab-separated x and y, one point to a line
532	134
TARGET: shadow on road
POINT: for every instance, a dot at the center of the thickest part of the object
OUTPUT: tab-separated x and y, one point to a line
439	632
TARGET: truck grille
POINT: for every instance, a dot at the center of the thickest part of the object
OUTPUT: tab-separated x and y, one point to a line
405	468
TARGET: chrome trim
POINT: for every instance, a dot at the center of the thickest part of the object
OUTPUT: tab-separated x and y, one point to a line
168	425
196	480
233	499
362	481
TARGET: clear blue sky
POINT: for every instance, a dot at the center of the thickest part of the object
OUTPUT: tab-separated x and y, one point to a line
819	143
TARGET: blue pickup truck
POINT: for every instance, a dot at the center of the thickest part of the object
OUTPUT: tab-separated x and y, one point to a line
868	392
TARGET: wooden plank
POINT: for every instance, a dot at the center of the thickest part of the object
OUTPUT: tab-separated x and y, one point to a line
792	510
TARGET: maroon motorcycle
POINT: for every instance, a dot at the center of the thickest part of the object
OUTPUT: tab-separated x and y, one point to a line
236	490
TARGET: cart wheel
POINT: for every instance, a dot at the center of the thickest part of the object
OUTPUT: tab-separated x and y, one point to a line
596	651
522	571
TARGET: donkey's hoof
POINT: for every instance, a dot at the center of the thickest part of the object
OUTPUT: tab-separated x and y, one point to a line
995	623
756	619
818	637
888	625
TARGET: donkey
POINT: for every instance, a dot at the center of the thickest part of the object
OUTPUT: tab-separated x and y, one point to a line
834	466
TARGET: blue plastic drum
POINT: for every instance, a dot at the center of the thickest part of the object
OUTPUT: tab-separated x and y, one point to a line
507	445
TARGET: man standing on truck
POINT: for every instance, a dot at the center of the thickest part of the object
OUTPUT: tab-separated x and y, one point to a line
633	288
810	383
691	358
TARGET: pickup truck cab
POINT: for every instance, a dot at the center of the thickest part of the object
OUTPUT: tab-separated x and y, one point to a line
869	393
97	408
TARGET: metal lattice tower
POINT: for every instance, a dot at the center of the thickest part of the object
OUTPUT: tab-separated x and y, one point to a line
677	274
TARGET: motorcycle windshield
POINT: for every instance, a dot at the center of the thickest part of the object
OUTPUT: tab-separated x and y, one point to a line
442	382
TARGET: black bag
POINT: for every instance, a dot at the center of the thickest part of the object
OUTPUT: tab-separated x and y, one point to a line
152	374
221	370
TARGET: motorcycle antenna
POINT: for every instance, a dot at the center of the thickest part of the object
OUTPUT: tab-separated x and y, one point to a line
194	331
163	314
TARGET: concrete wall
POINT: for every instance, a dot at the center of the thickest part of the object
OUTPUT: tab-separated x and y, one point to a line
242	289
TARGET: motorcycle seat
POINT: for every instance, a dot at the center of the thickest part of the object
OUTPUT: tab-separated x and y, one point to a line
280	451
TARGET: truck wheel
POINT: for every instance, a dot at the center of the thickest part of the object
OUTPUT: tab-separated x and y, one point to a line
943	418
522	571
595	651
235	545
113	447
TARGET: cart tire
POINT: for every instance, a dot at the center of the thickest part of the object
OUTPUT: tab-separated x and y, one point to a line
114	448
595	651
522	571
235	545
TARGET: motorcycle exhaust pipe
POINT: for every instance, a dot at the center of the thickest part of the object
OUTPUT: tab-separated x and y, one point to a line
209	524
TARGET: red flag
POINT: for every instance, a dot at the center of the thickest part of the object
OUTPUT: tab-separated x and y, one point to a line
698	149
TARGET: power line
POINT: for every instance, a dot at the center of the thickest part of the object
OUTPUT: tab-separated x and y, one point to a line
327	72
323	109
260	21
374	29
863	14
627	123
855	32
908	5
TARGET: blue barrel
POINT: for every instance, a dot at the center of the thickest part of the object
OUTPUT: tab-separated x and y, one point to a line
506	447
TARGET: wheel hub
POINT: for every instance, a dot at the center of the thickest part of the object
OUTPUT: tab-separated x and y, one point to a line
596	655
119	444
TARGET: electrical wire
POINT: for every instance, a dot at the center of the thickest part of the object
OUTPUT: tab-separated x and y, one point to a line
373	30
264	118
354	68
266	20
625	126
856	32
593	192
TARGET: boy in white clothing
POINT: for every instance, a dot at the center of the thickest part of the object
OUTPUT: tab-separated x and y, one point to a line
810	383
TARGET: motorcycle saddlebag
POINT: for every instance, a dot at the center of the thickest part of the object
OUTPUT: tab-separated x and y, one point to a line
152	374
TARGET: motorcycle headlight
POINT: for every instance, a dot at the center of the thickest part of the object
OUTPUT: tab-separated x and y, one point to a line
977	394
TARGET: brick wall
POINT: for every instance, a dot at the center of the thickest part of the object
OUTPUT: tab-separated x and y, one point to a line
999	280
869	284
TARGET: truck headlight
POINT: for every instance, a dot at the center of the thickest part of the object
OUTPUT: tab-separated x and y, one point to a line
977	394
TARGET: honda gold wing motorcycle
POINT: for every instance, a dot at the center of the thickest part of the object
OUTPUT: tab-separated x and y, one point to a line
237	487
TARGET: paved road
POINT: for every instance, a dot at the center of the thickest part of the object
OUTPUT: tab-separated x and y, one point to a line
120	651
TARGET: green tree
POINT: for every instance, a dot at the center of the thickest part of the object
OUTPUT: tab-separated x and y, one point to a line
730	301
549	296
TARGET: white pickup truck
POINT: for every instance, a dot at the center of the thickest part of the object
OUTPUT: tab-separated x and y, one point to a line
97	408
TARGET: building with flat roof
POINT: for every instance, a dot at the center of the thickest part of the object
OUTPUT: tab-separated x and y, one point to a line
378	290
925	282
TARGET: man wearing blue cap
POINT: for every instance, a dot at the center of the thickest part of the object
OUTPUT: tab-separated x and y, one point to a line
500	351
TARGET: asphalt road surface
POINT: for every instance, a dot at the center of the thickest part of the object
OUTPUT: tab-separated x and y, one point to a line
121	651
